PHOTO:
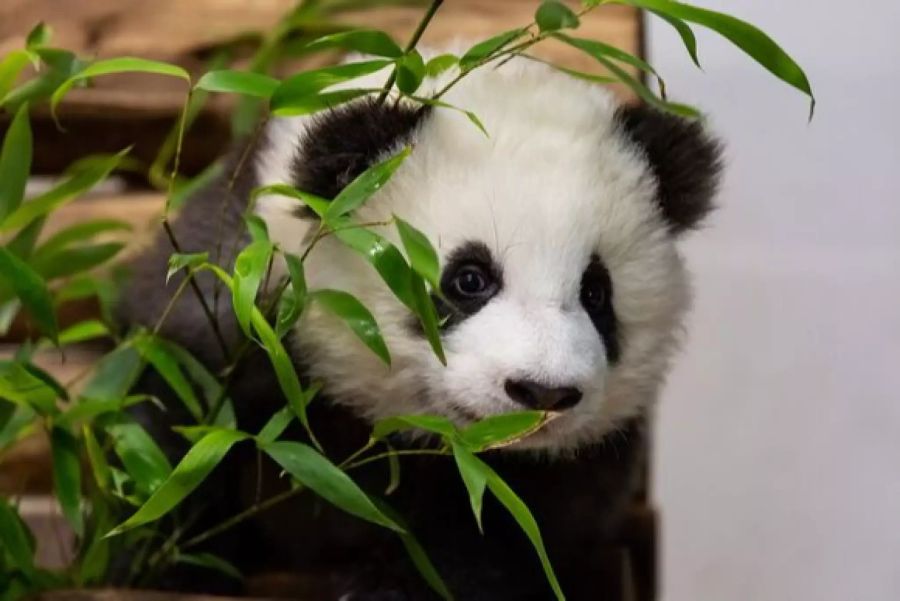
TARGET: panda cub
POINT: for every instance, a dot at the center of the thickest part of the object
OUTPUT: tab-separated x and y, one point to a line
563	288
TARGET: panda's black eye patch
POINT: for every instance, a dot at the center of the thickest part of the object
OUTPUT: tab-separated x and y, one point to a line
596	298
471	278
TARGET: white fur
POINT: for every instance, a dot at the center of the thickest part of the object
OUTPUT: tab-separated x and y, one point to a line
555	182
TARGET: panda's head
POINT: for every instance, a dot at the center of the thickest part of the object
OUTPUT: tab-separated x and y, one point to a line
556	236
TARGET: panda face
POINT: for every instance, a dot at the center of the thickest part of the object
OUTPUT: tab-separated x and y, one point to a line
561	288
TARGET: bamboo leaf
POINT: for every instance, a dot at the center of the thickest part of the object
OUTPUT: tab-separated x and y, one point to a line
97	459
39	36
428	317
79	233
472	117
15	162
79	183
498	430
117	65
211	562
238	82
89	329
276	426
440	64
364	186
75	260
179	261
31	289
143	459
474	477
367	41
599	49
410	72
156	352
114	375
300	94
324	478
423	258
684	30
430	423
356	316
553	15
23	387
293	301
482	50
196	465
67	476
249	270
386	258
16	540
754	42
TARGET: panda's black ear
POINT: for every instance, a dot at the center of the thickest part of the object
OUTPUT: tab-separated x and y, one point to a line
685	159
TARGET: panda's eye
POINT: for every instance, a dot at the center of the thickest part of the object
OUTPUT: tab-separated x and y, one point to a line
471	281
593	294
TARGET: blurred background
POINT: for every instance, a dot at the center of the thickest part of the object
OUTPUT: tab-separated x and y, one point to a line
778	440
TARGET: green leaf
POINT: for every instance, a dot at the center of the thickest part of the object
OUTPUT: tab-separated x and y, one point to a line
21	386
249	270
745	36
15	162
256	226
238	82
97	459
22	244
88	409
16	421
293	301
553	15
644	93
410	72
600	50
86	330
356	316
79	183
474	477
79	233
209	561
440	63
472	117
285	372
386	258
520	512
31	289
367	41
300	94
316	472
428	317
684	30
67	476
316	204
10	68
179	261
117	65
8	312
115	374
422	256
16	540
276	426
75	260
39	36
364	186
140	454
482	50
61	65
184	190
314	103
196	465
430	423
156	352
499	430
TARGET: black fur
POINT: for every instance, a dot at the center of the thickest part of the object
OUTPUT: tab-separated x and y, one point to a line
453	309
686	161
344	142
603	317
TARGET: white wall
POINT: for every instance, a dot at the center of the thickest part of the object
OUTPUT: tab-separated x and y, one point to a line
778	454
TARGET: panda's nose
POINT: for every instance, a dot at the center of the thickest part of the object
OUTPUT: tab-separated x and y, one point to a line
544	398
